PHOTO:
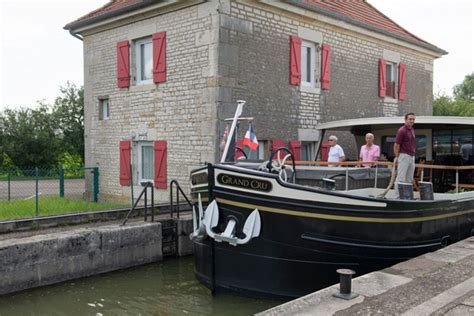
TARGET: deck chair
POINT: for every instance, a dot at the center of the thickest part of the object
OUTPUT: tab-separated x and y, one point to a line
417	177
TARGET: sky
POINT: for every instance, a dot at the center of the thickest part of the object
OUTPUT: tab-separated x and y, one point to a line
38	56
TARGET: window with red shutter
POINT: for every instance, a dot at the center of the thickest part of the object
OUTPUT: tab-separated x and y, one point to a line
143	61
295	148
125	149
382	78
295	60
402	81
277	143
390	75
123	64
325	150
325	67
160	164
159	57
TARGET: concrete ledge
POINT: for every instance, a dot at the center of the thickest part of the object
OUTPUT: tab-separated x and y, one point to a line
185	228
47	259
78	218
434	283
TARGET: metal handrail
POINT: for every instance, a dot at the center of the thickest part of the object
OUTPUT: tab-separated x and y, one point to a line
388	164
144	193
178	189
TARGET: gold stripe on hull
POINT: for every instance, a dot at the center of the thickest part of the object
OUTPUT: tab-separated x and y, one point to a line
340	217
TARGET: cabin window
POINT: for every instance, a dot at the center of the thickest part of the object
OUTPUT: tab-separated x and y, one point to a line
144	61
145	161
389	141
453	147
104	111
308	64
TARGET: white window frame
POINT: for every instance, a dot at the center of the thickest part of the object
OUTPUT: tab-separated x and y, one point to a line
104	109
312	67
392	68
138	60
394	76
140	160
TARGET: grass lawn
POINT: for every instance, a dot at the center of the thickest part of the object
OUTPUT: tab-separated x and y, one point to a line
49	206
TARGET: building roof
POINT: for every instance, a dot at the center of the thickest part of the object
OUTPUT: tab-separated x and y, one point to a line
362	13
111	6
357	12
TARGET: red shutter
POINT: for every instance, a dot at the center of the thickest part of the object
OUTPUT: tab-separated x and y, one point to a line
277	143
160	164
382	82
402	72
324	151
123	64
325	67
240	144
159	57
125	149
295	147
295	60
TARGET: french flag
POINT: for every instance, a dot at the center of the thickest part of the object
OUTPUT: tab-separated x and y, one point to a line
250	139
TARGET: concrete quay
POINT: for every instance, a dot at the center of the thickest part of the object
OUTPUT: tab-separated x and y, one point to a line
437	283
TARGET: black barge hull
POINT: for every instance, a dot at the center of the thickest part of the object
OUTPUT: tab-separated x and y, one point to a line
307	233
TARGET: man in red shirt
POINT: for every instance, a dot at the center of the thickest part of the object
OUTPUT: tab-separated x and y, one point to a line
405	150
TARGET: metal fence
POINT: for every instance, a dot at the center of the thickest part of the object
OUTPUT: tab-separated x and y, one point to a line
77	183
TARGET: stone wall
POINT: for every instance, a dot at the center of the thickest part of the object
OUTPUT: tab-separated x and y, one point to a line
51	258
284	111
180	110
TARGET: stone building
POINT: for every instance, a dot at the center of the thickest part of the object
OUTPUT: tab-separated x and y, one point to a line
160	77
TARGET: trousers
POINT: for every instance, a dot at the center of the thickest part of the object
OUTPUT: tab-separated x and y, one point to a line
405	172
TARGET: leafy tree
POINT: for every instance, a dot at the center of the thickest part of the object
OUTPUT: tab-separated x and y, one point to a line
68	113
465	90
447	106
461	105
29	137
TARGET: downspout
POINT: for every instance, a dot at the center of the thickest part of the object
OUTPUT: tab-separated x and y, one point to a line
319	144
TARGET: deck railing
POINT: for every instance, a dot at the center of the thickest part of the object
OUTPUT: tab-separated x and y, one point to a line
389	164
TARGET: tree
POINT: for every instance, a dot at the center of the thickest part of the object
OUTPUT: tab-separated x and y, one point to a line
465	90
29	137
68	114
461	105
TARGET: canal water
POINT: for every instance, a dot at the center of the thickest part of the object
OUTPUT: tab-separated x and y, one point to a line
165	288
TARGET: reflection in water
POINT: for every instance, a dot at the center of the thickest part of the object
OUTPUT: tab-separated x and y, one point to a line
165	288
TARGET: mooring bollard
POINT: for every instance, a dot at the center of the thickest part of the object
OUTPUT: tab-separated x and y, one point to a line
345	284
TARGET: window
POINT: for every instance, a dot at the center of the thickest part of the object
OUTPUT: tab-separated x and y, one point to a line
308	64
389	141
453	146
258	154
144	61
391	78
145	162
104	111
308	151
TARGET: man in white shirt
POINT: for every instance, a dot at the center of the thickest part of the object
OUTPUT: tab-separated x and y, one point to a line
336	154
